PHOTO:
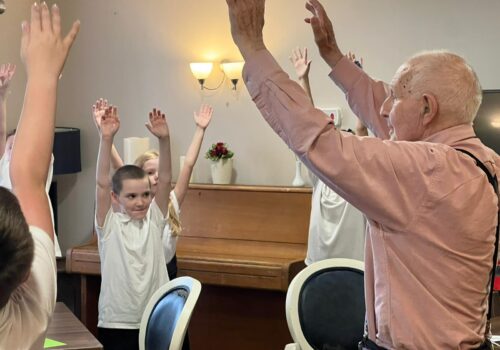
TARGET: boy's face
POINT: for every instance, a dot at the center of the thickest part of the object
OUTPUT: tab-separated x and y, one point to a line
134	198
151	168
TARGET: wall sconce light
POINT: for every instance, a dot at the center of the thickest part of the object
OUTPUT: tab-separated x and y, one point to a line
231	70
201	71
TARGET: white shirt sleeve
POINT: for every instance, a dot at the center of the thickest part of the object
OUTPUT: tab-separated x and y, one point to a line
26	317
170	241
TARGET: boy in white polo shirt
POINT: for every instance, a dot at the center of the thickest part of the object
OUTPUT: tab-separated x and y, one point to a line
129	226
27	262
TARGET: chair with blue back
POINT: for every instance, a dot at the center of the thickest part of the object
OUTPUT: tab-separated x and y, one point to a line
167	315
325	307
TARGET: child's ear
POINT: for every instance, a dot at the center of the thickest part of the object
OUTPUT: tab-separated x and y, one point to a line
114	198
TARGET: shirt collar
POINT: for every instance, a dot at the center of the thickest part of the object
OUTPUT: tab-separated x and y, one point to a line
452	136
124	218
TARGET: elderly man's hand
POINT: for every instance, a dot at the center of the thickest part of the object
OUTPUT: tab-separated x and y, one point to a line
247	21
323	33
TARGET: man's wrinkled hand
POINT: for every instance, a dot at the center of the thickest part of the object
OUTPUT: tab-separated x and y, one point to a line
324	35
247	21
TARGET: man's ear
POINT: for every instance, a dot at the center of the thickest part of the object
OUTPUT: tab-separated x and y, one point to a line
429	109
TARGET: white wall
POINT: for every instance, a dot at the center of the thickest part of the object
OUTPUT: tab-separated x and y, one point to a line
136	54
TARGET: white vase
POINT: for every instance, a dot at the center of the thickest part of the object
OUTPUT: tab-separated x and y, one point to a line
297	180
222	170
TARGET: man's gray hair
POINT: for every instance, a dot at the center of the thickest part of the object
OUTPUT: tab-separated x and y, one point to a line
450	79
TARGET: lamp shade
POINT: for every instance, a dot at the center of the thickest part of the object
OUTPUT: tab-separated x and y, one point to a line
201	70
66	151
232	69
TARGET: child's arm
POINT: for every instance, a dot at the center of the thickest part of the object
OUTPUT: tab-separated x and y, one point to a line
202	119
157	125
43	52
110	123
302	66
6	73
97	112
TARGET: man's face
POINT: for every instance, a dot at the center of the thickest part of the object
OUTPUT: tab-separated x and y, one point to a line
403	110
134	198
8	146
151	168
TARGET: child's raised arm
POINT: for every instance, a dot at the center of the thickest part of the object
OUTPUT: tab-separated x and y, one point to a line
6	73
43	52
158	126
97	112
110	123
302	65
202	119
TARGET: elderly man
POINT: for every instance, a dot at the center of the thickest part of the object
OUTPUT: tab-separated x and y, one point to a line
432	213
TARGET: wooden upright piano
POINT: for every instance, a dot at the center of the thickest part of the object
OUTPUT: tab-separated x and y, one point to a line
245	244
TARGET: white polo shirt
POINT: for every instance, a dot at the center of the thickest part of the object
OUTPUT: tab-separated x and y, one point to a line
133	266
336	228
26	316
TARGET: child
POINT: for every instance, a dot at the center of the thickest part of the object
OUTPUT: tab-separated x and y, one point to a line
129	234
149	163
336	228
6	73
27	262
7	141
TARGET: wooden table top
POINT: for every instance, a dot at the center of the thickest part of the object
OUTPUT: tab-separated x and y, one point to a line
66	328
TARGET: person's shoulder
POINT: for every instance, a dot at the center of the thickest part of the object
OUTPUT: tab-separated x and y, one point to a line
111	223
42	239
40	287
156	217
423	154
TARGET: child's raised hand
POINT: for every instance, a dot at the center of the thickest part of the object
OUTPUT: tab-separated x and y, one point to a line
352	57
6	73
300	62
43	50
157	124
110	122
204	115
98	110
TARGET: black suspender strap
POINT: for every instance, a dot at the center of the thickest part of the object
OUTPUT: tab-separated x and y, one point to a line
494	182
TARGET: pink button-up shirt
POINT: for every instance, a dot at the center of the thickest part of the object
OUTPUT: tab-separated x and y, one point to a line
431	211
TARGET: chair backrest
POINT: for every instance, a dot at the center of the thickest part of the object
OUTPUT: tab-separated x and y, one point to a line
167	314
325	307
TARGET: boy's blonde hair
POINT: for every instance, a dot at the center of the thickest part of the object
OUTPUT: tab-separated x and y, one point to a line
173	219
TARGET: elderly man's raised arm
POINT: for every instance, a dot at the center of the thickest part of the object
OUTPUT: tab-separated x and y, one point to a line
354	167
365	95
